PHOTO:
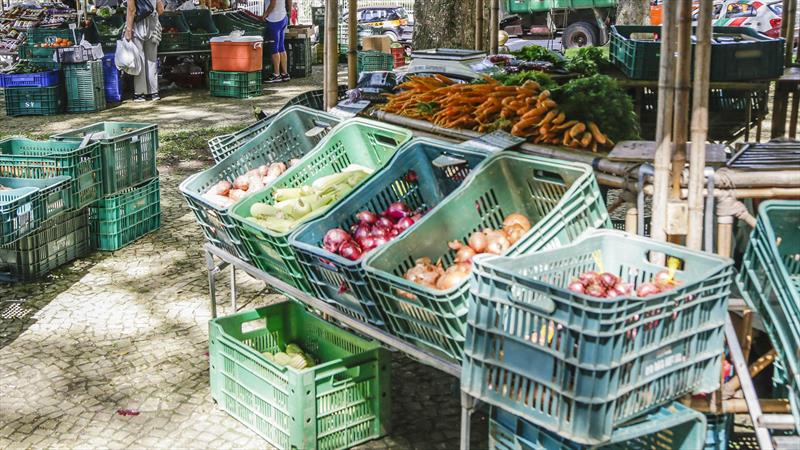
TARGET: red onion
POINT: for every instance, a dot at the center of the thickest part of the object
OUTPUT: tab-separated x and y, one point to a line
361	232
663	279
404	223
416	217
379	231
589	277
411	177
397	211
577	287
384	222
367	216
612	293
647	289
609	280
350	250
623	288
334	238
393	232
595	290
367	243
380	241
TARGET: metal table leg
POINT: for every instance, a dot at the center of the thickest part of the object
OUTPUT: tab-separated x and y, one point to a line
233	288
468	405
212	288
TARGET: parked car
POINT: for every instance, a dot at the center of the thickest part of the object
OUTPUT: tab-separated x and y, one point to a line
763	17
390	21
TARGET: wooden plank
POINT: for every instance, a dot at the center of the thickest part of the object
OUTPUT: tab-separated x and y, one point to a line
644	151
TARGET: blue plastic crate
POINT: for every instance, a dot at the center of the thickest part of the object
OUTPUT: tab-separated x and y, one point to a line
421	174
112	79
719	428
580	365
39	79
672	427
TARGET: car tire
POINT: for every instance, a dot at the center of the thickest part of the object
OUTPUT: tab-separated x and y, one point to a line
580	34
391	35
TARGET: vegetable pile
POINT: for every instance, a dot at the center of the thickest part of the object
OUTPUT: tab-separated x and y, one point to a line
495	242
56	43
225	193
371	230
293	356
292	206
527	111
25	67
608	285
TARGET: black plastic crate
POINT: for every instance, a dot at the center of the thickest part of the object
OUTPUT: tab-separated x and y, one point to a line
298	52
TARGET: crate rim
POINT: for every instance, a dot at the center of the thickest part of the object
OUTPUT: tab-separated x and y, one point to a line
763	213
366	262
52	153
312	154
293	237
69	136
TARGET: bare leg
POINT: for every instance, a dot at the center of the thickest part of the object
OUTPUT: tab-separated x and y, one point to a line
276	63
284	63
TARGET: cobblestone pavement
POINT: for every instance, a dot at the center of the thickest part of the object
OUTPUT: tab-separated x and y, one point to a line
128	330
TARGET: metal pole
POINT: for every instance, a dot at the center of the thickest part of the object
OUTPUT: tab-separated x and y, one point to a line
682	81
789	11
666	93
494	23
352	43
479	24
702	76
331	52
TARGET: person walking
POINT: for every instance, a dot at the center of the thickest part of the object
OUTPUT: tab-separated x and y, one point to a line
144	29
277	19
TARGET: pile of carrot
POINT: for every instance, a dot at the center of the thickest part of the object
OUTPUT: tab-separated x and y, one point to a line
526	111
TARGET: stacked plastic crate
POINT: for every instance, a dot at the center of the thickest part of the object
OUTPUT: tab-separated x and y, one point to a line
83	78
129	204
236	64
38	93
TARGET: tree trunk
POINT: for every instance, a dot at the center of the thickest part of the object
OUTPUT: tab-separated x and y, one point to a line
444	23
633	12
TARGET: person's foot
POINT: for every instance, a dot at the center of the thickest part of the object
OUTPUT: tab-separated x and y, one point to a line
138	98
285	77
274	78
153	97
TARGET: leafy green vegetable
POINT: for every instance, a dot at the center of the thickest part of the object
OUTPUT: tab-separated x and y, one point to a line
539	53
598	98
517	79
587	61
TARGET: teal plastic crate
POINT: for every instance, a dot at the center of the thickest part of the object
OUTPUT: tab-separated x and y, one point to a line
599	362
342	401
364	142
127	152
58	241
26	202
108	30
26	158
223	145
119	219
174	41
32	50
769	281
290	134
85	87
672	427
719	429
229	21
528	6
560	199
373	60
201	28
34	101
420	175
737	53
235	84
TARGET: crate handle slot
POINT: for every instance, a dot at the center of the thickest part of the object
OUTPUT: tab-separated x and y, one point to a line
531	300
250	326
386	140
548	177
344	375
670	261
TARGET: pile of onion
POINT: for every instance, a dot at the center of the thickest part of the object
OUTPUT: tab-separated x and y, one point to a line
608	285
491	241
370	230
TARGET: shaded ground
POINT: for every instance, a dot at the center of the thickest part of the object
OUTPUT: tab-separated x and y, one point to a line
128	329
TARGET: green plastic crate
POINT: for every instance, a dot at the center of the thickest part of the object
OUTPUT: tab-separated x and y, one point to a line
223	145
526	7
230	21
201	28
26	158
755	57
672	427
127	152
598	362
298	52
235	84
769	281
103	30
119	219
34	101
373	60
34	36
178	41
289	135
357	141
58	241
419	175
28	202
561	199
342	401
85	87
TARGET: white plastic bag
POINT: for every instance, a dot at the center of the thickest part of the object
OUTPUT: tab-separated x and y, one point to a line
128	58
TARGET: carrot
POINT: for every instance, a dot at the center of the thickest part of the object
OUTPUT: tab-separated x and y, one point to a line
577	130
549	117
586	139
596	134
